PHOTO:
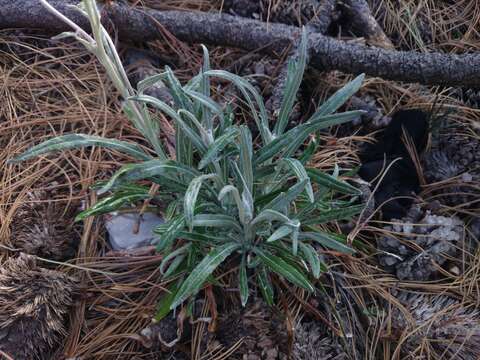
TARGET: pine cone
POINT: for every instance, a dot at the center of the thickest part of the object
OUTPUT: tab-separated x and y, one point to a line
455	154
469	96
372	116
312	343
33	304
42	228
451	329
424	242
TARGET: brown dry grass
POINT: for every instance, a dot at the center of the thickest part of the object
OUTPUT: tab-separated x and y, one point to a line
50	89
446	25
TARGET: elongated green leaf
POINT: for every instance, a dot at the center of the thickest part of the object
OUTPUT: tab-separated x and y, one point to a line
207	119
287	143
284	199
177	91
198	141
243	282
208	103
72	141
265	285
296	68
309	151
174	267
248	91
281	250
203	238
230	189
190	198
163	306
169	231
321	178
112	203
270	215
284	269
316	125
167	109
150	81
264	171
297	168
218	145
342	213
182	149
149	169
246	155
206	137
280	233
247	198
183	143
312	257
339	98
140	117
172	209
172	256
294	235
205	85
202	271
327	240
216	220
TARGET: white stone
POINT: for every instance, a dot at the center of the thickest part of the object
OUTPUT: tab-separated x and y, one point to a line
121	229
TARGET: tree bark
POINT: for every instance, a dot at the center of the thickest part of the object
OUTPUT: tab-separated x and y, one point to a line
223	30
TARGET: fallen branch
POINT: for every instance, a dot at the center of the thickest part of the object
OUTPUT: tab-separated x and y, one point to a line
224	30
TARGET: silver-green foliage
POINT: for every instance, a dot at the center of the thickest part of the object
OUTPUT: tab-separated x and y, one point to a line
234	195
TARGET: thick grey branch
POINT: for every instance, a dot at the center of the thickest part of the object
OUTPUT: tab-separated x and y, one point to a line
224	30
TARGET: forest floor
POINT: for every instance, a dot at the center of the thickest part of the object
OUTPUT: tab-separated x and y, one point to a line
400	297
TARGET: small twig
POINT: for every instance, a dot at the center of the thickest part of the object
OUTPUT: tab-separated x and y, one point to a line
153	189
212	304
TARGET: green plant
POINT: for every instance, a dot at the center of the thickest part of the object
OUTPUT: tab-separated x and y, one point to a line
233	195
